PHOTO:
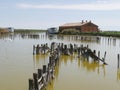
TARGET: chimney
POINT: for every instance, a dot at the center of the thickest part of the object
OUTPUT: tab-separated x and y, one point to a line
90	21
82	21
86	20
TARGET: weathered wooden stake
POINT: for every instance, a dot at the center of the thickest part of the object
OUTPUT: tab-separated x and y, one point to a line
33	49
104	56
39	73
79	50
118	60
50	61
48	74
87	46
94	52
99	54
37	49
44	49
35	77
30	84
44	68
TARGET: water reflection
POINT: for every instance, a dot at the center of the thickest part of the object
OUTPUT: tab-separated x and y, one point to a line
118	74
39	60
29	36
8	37
81	65
80	38
89	65
76	38
110	41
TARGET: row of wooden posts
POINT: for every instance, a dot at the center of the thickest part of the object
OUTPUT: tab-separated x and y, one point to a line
64	49
42	78
46	74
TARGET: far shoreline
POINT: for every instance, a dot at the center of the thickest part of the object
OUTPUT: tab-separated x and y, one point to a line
101	33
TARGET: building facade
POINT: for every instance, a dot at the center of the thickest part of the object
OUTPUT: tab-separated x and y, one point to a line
80	26
6	30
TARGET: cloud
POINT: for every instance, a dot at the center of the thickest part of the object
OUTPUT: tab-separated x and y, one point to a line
103	5
103	1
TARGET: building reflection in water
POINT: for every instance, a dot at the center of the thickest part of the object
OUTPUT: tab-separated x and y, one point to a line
31	35
7	37
75	38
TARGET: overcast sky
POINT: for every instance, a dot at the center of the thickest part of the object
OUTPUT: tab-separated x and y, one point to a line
42	14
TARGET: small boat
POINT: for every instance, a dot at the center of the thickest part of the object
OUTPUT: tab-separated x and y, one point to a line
10	29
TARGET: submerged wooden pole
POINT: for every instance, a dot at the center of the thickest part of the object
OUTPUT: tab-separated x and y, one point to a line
98	54
118	61
39	73
35	77
87	46
104	56
37	49
30	84
50	61
94	51
44	68
33	49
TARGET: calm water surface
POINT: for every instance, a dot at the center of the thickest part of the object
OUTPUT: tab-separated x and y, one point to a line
17	63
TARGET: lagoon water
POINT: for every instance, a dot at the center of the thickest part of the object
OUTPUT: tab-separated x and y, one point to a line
17	63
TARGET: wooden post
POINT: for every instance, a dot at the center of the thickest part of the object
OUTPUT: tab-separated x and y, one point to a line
94	52
44	68
44	48
118	61
62	48
37	49
35	77
30	84
39	73
78	52
48	69
104	56
50	61
99	54
71	49
87	46
33	49
65	50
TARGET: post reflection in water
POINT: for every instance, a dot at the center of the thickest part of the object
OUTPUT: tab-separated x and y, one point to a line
118	74
39	60
82	63
91	65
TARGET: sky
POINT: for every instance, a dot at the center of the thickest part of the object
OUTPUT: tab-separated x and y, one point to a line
43	14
